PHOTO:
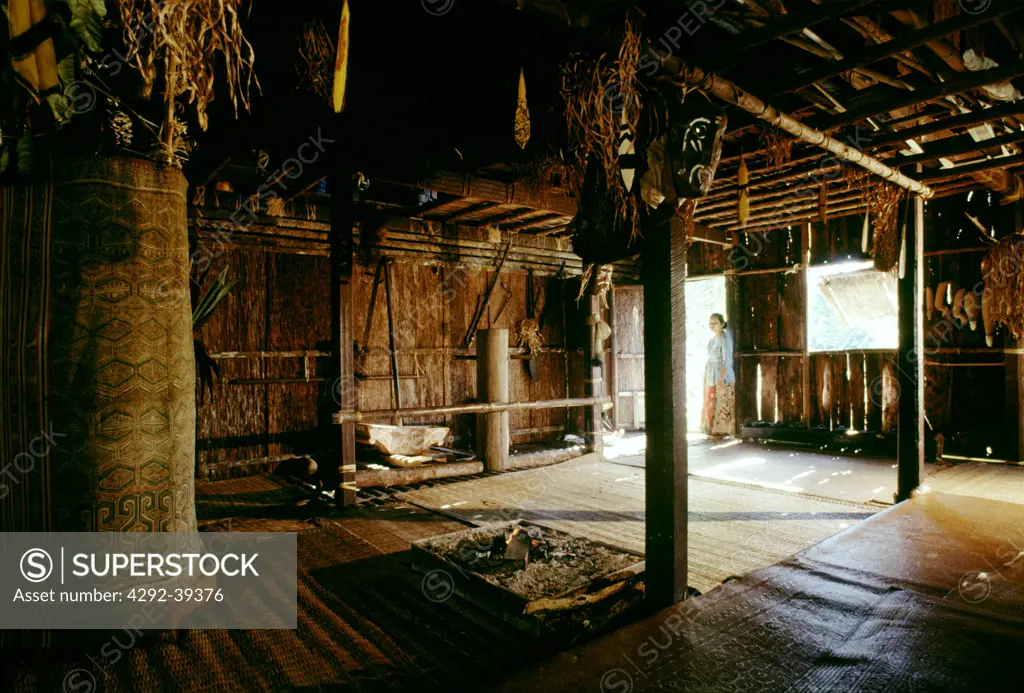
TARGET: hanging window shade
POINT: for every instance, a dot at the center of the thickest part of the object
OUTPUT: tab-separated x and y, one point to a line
851	306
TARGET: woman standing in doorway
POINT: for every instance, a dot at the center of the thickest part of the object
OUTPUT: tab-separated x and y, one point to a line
719	382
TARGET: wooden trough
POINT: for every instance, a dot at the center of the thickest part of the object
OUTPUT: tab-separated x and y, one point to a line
553	585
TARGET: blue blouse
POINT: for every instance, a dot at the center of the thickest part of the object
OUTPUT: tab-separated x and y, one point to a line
719	357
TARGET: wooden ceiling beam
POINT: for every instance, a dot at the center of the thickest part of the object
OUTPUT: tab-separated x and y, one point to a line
969	169
963	120
470	211
957	146
881	51
955	85
787	24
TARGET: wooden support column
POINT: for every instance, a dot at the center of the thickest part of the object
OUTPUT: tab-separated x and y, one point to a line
805	373
492	436
1014	378
342	338
664	262
1014	364
593	383
613	361
910	358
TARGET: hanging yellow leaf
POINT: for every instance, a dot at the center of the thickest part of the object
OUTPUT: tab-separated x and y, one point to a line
522	114
742	178
341	61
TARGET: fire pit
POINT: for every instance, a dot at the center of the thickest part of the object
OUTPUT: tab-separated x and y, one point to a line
550	584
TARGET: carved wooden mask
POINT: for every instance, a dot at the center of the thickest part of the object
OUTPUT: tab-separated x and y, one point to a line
695	145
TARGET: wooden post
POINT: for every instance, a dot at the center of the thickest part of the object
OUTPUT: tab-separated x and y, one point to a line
392	342
342	345
593	384
1014	364
1014	382
613	360
492	437
805	374
664	261
910	359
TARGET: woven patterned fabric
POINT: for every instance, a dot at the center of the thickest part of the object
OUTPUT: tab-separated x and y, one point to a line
121	355
26	501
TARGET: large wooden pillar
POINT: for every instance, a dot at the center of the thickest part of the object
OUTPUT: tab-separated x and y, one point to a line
492	433
910	359
342	341
664	268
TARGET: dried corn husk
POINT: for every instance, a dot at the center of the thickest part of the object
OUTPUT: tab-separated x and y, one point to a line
341	61
742	179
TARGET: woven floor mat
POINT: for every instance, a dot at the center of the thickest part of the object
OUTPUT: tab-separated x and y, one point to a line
364	624
1004	482
734	528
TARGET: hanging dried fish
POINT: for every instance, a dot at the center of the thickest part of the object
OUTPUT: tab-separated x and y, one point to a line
823	203
522	114
341	61
929	302
742	180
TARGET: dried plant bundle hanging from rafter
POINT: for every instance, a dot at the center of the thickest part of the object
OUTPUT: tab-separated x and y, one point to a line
316	59
1004	282
600	98
883	200
186	41
777	146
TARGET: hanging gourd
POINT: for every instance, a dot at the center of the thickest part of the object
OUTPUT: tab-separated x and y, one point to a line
864	233
987	318
522	114
341	61
958	305
742	179
971	310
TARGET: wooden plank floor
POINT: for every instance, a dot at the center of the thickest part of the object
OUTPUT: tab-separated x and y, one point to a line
734	528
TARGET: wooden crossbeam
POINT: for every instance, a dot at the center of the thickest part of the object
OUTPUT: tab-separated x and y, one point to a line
954	85
880	51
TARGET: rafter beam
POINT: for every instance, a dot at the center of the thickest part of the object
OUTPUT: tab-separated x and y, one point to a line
880	51
955	85
788	24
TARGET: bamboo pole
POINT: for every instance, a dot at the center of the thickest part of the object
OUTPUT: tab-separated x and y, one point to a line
476	408
732	94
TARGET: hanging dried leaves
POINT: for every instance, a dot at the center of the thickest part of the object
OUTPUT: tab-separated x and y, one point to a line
600	97
883	201
316	56
777	146
1004	284
185	41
